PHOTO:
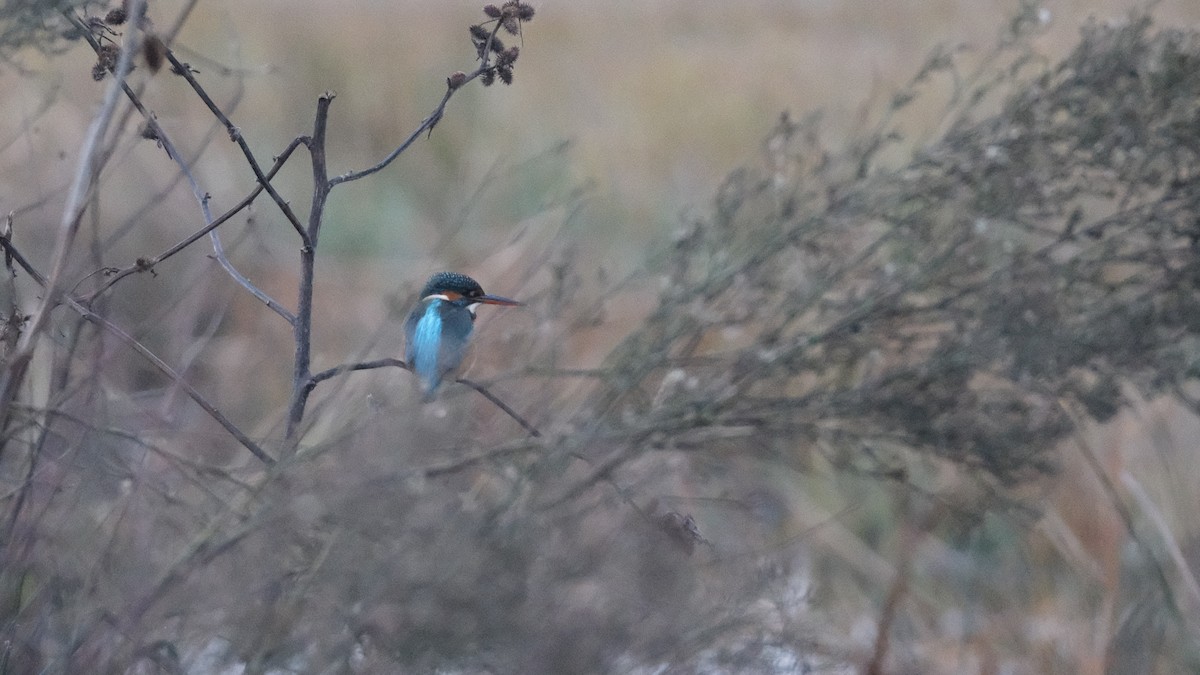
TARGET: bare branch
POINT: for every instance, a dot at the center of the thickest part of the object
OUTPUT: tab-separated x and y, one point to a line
429	122
301	369
235	135
501	405
200	195
317	378
190	239
178	379
144	351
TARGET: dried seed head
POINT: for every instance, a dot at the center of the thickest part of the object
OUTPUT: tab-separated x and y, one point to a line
497	45
115	17
492	11
488	78
521	10
154	50
106	60
456	80
108	55
505	73
479	33
508	56
512	24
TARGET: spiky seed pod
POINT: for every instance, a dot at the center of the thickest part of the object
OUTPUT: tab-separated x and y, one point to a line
524	12
106	60
479	33
108	55
505	73
115	17
492	11
488	78
508	56
497	45
456	79
512	25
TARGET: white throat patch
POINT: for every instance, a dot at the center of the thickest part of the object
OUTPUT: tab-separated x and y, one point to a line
439	296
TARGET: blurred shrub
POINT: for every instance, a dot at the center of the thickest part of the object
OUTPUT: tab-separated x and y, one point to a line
38	24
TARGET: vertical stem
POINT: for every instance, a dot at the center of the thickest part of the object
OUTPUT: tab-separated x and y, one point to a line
13	374
308	255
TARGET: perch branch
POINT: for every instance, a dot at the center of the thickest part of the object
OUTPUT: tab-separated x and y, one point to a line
317	378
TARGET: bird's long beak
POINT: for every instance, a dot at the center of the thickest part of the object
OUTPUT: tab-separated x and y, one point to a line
497	300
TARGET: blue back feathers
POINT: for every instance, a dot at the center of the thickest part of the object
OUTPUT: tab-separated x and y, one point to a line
425	341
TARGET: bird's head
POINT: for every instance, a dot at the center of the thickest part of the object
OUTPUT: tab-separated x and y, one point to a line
461	290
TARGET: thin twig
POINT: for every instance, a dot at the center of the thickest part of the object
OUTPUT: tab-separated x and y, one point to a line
144	265
426	124
235	135
145	352
167	189
85	172
200	195
162	366
1169	541
317	378
456	465
501	405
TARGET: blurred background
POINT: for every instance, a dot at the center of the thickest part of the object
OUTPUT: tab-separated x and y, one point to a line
569	189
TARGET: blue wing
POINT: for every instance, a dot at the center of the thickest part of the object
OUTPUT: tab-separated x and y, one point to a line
437	340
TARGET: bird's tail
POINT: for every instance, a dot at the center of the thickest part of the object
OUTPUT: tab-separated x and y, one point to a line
429	391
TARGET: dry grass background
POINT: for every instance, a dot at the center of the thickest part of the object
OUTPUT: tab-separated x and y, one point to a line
564	189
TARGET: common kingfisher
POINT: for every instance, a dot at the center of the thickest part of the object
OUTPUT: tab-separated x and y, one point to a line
439	327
